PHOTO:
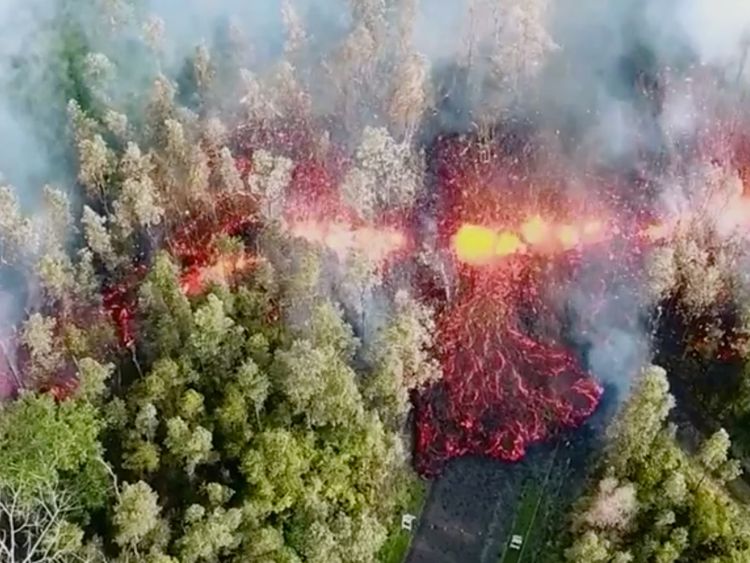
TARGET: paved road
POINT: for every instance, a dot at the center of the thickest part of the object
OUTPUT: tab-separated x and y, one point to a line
468	514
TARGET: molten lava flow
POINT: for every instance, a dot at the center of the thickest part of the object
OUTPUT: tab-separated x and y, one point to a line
502	389
374	243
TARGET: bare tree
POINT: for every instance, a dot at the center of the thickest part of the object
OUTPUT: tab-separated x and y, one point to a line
35	530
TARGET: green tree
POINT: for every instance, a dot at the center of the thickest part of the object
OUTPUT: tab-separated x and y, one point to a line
167	314
318	384
93	378
191	446
589	548
641	419
47	446
276	466
136	515
208	537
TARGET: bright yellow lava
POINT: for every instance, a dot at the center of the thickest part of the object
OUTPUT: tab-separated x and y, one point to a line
568	236
475	244
534	230
508	243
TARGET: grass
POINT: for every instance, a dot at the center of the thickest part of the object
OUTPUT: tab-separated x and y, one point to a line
397	544
530	500
533	494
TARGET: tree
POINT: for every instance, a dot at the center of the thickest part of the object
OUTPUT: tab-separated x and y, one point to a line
641	419
326	326
714	456
228	175
409	98
386	177
192	447
52	447
295	31
401	356
702	279
56	275
203	72
137	204
207	537
16	233
215	339
98	237
714	452
96	166
269	179
661	272
168	319
92	379
117	124
58	217
254	384
199	172
35	527
276	466
589	548
614	506
160	108
38	337
318	384
136	515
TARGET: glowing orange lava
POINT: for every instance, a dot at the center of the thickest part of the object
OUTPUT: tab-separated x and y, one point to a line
374	243
478	245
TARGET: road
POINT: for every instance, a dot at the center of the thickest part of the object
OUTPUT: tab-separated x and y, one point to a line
468	514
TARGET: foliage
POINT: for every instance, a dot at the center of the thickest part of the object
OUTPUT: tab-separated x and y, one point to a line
654	502
52	447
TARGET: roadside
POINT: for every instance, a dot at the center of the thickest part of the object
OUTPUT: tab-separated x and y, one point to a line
531	498
397	545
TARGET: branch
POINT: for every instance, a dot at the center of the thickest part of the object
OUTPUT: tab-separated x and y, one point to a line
11	364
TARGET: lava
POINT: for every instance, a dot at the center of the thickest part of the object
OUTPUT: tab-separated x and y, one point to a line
503	387
374	243
196	279
475	244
